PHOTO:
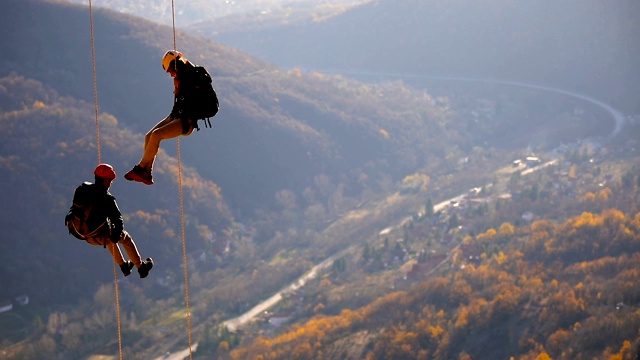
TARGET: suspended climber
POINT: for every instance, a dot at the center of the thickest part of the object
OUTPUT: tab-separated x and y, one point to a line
96	218
194	99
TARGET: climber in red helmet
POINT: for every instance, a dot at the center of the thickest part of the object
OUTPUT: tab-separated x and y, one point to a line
95	218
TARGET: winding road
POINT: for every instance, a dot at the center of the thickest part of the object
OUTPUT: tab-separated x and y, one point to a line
616	115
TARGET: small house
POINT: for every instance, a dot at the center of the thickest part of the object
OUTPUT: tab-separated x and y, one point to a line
22	300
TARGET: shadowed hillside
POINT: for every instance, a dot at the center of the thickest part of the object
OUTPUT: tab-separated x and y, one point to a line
48	149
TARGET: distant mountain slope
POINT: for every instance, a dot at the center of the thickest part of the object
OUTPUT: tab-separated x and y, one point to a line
585	46
189	12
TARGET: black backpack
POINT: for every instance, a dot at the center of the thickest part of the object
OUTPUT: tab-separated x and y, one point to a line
204	100
77	220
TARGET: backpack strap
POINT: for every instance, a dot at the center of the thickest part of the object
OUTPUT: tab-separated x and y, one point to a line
76	219
74	231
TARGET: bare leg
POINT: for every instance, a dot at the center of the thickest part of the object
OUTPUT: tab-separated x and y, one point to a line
147	138
168	128
114	249
130	248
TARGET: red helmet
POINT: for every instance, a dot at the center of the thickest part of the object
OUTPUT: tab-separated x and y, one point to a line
105	171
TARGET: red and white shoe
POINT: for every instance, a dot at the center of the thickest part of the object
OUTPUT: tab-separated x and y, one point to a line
140	175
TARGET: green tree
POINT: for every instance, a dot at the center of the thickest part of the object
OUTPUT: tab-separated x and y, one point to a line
428	209
366	252
339	265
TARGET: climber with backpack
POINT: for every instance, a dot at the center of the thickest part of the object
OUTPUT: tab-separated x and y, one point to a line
194	99
96	218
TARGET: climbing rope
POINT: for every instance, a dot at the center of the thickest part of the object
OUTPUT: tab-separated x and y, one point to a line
95	83
182	221
98	148
117	295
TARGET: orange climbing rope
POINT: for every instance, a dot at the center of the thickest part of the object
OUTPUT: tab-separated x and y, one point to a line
182	222
98	148
182	218
95	83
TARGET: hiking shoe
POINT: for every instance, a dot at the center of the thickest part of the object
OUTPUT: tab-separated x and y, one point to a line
144	269
139	174
126	267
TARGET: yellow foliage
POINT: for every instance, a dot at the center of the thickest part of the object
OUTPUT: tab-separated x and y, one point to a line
318	308
604	194
500	258
588	197
506	229
223	346
543	356
463	318
416	181
435	331
625	349
487	235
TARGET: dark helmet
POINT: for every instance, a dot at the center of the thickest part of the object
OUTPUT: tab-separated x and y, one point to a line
105	171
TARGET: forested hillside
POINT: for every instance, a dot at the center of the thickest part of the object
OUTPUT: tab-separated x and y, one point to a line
48	149
276	129
553	288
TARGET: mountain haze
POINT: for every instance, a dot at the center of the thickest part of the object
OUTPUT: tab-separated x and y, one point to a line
588	47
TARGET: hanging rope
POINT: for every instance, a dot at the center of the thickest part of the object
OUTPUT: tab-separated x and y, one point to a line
95	83
99	149
184	241
117	295
184	251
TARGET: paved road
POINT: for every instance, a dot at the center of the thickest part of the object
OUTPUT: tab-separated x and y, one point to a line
617	115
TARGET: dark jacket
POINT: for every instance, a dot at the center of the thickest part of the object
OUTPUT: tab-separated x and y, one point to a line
187	84
195	98
96	212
